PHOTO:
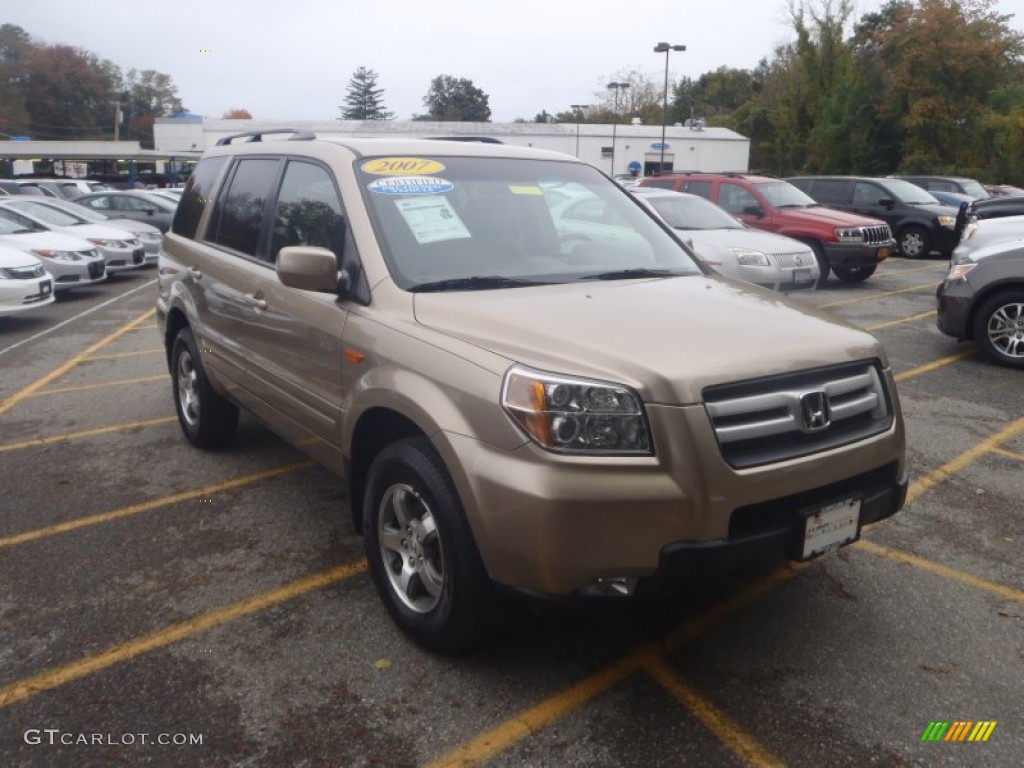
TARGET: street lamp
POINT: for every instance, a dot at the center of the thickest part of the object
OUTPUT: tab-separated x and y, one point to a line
578	109
615	118
665	48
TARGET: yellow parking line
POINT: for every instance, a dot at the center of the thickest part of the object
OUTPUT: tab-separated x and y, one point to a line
486	745
873	295
944	265
86	433
927	367
942	570
969	456
20	690
1009	454
83	387
134	509
739	742
910	319
9	402
118	355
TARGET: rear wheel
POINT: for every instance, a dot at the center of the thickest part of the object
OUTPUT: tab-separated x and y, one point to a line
421	552
855	274
915	243
999	328
206	418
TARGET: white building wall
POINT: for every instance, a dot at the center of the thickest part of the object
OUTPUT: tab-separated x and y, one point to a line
709	149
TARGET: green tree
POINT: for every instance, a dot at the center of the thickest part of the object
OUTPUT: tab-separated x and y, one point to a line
363	99
453	99
145	96
15	51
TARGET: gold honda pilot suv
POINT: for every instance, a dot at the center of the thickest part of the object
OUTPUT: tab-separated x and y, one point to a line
519	403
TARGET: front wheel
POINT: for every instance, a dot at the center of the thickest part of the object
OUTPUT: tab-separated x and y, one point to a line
823	266
421	552
999	328
915	243
206	418
855	274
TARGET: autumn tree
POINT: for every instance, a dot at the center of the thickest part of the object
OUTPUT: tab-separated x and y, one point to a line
363	99
71	91
237	114
455	99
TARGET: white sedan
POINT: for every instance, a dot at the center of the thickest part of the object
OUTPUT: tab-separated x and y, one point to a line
24	282
72	262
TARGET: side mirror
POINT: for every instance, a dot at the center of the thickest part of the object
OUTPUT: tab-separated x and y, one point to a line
886	202
149	210
310	268
754	210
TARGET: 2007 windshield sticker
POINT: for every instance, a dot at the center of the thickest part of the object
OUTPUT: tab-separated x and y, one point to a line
410	185
401	166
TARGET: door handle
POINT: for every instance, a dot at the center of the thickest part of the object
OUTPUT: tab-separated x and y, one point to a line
194	273
255	300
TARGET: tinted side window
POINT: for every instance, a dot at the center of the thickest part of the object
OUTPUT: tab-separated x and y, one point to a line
308	211
866	194
735	198
196	195
238	212
830	191
702	188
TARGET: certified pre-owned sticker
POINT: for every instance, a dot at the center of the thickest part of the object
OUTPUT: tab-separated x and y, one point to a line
401	166
410	185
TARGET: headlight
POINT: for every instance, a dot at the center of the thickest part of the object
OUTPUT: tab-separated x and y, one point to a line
750	258
149	236
102	243
59	255
571	415
946	221
849	235
959	271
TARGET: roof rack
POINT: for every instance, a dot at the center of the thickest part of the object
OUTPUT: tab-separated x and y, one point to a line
482	139
298	134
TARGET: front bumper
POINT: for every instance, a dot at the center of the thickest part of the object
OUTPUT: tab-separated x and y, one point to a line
122	259
954	299
857	254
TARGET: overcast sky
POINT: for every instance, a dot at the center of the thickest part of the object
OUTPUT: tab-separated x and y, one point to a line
292	59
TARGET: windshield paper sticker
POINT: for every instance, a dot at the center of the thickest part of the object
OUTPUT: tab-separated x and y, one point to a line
410	185
401	166
432	219
524	190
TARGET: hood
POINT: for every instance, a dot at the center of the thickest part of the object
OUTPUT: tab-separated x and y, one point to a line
51	241
131	225
93	230
14	258
820	215
938	209
755	239
666	338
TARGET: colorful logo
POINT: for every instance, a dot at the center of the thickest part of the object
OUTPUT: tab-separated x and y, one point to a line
959	730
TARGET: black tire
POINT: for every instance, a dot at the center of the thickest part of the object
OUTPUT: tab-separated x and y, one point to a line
855	274
446	603
915	243
999	328
206	418
823	265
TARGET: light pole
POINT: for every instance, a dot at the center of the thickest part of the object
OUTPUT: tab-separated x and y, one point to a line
615	117
578	109
665	48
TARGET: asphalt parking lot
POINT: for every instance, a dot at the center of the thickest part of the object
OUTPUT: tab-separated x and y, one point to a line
164	606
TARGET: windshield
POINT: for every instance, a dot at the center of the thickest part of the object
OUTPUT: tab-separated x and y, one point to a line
782	194
472	223
911	194
9	226
44	213
691	212
79	211
975	189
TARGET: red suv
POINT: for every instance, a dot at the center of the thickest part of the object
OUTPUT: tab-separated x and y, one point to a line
849	244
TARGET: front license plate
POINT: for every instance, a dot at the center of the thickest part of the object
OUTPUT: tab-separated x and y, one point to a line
831	527
45	288
883	253
802	276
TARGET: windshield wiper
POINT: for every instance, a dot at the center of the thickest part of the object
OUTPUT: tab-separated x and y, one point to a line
478	283
628	274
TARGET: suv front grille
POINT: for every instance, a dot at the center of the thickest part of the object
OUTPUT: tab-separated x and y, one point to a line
877	235
784	417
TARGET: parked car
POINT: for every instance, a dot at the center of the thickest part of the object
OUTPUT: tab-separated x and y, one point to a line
150	237
952	199
982	299
9	187
997	207
121	250
24	282
849	245
962	185
171	193
981	233
582	422
921	223
730	246
132	204
65	189
1004	190
72	262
